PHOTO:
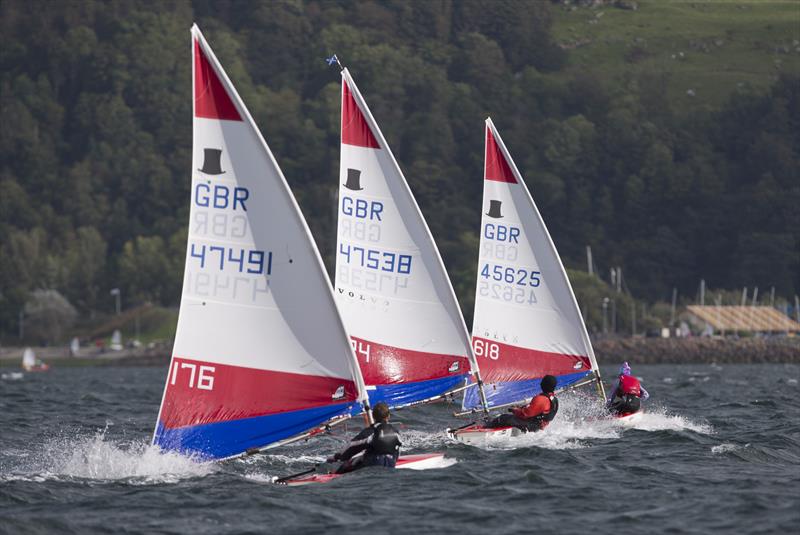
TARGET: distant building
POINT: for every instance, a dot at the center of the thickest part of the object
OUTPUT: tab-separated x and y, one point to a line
728	319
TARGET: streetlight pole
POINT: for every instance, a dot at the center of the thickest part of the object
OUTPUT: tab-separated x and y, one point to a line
117	294
605	311
613	317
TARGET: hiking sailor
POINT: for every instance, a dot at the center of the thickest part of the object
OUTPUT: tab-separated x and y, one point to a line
536	416
380	443
627	394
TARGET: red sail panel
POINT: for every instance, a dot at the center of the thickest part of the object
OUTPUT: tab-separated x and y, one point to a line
385	365
504	362
211	101
355	130
207	392
497	167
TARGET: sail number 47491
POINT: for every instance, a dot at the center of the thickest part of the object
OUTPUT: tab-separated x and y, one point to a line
199	376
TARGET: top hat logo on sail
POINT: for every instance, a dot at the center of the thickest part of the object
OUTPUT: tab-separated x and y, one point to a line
211	162
494	209
353	180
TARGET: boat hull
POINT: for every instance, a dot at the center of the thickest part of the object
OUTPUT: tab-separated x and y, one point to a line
477	435
628	418
37	368
422	461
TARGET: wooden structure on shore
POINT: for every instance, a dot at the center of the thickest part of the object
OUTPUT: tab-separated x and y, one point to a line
761	319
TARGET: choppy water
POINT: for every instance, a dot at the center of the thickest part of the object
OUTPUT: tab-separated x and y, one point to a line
718	450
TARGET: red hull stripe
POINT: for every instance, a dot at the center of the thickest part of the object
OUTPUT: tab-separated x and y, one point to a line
515	363
386	365
237	392
210	98
355	130
497	167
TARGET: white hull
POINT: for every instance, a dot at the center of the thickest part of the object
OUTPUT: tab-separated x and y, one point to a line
423	461
478	436
630	419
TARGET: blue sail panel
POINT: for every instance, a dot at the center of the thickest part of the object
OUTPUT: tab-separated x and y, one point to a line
503	393
220	440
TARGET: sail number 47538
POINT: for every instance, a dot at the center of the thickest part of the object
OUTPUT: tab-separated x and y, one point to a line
199	376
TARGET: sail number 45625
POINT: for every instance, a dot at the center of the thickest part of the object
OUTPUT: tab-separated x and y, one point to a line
511	275
199	376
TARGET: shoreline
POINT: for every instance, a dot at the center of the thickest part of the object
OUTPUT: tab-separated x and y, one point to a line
698	350
608	351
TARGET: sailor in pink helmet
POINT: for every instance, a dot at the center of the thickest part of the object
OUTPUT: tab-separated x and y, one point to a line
627	394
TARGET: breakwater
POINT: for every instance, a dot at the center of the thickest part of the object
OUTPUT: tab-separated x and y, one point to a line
608	351
698	350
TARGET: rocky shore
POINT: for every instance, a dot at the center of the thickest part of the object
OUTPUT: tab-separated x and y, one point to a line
698	350
609	351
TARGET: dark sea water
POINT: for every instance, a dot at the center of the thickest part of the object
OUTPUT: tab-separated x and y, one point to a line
717	451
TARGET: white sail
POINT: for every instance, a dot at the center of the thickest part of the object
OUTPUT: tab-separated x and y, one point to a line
527	323
391	285
260	351
28	359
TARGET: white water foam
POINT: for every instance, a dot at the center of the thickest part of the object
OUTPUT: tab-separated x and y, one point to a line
99	459
659	419
727	448
12	376
286	459
582	418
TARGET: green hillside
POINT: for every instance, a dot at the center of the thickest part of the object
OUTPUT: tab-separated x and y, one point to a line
709	48
95	149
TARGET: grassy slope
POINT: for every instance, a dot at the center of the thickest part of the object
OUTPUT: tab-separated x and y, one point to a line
726	45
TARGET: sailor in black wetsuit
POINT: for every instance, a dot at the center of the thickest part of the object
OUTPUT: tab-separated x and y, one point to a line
380	443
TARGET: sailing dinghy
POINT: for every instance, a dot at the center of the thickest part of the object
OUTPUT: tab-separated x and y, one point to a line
32	364
261	357
391	286
527	323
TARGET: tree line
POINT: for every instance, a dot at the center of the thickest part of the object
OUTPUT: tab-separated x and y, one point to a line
95	148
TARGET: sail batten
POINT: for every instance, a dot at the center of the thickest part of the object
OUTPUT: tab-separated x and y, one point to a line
260	353
527	323
391	286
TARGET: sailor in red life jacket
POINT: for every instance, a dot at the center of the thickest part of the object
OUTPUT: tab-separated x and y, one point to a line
536	416
627	394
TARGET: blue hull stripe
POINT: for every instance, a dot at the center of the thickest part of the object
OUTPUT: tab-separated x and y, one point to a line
513	391
407	393
226	439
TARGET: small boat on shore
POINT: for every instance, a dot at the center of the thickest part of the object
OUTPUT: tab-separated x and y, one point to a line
32	364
